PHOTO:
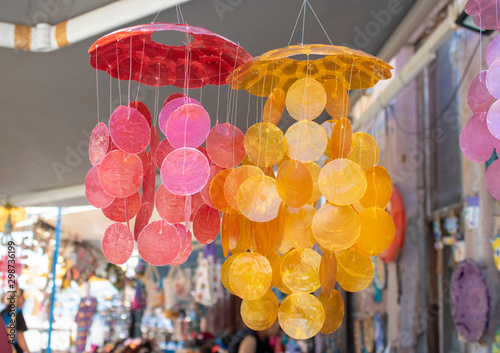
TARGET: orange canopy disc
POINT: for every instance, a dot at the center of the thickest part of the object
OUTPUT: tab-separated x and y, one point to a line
260	313
275	69
354	270
300	270
301	315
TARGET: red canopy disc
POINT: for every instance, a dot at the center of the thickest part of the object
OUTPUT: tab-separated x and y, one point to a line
131	53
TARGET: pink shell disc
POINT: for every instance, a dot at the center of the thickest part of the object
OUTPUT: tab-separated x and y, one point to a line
129	130
225	145
117	243
120	173
94	192
116	211
206	224
476	141
172	97
205	192
185	171
145	161
163	150
205	153
143	217
148	184
186	245
196	202
479	98
143	109
159	243
493	120
153	143
493	79
170	206
188	126
98	144
493	51
492	179
170	107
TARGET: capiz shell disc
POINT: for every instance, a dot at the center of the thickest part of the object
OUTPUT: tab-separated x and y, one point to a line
94	192
250	276
185	171
492	179
260	313
188	126
116	210
301	315
225	145
354	270
120	173
206	224
479	98
300	270
98	144
258	198
117	243
170	107
159	243
342	182
186	245
334	311
129	130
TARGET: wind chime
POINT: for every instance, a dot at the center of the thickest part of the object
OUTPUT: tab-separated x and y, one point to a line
265	182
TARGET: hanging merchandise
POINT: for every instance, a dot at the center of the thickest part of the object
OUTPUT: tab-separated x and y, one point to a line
470	301
358	336
496	251
207	279
396	208
86	311
379	333
176	286
278	211
454	237
495	346
481	135
154	295
117	151
368	334
379	278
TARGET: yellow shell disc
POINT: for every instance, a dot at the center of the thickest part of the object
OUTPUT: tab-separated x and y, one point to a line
334	311
250	276
274	107
298	221
342	182
261	313
275	262
338	104
300	270
234	181
306	141
258	198
336	228
224	272
341	138
295	183
301	315
314	170
377	231
379	188
305	99
328	127
354	270
264	144
364	150
328	272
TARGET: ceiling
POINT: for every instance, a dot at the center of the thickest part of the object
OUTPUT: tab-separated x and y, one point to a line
49	100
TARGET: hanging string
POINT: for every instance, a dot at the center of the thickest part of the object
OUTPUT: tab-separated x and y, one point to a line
161	9
97	87
296	22
303	21
130	72
110	95
118	72
140	72
317	19
218	89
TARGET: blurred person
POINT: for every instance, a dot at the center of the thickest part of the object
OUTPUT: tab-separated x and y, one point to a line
15	317
250	341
